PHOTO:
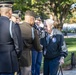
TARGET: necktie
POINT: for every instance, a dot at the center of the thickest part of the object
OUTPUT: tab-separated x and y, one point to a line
48	39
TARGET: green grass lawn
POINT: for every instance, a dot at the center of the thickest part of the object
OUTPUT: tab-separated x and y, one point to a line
71	46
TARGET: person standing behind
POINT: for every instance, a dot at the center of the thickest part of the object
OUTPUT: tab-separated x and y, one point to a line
17	14
30	38
54	49
37	56
15	18
10	41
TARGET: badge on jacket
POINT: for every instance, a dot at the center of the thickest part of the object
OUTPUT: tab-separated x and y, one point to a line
53	39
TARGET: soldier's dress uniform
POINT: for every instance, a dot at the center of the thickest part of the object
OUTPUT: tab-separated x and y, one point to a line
29	41
10	44
26	30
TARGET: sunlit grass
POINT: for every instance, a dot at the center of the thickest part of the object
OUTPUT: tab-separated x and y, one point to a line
71	46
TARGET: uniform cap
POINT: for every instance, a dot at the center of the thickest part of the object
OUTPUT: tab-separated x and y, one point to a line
6	4
30	13
38	18
18	12
15	15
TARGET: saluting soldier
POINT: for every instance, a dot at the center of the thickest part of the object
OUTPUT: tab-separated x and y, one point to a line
30	38
10	41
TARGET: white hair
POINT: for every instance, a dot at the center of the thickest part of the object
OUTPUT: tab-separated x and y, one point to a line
49	21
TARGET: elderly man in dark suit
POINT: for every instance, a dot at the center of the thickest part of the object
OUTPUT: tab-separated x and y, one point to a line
10	41
54	48
30	38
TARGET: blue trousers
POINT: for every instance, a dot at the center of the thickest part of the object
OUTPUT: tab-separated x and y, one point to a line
6	74
51	66
36	62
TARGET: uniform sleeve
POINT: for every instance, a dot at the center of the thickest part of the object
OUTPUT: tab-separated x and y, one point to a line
16	35
36	42
64	51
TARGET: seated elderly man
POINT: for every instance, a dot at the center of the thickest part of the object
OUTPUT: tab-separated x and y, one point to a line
54	49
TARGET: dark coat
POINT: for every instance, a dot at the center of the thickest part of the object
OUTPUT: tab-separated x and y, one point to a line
10	46
56	46
26	30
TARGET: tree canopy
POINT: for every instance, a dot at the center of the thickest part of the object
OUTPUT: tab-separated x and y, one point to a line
60	8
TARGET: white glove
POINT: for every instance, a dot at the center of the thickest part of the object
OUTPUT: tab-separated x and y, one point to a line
41	45
61	60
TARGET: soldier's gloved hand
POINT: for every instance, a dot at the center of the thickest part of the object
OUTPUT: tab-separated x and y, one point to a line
40	51
18	54
61	60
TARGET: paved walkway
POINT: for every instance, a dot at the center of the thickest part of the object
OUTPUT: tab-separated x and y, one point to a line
70	35
69	72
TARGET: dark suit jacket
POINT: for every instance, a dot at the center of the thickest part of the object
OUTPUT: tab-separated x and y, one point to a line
56	46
